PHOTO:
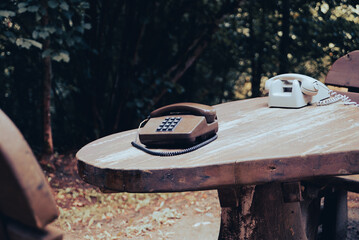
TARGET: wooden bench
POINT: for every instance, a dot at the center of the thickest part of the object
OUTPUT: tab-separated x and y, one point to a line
27	205
343	73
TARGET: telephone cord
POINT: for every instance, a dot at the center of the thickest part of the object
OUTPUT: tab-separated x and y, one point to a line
335	97
139	127
174	153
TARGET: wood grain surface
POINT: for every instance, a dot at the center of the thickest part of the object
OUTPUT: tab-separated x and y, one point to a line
344	71
255	145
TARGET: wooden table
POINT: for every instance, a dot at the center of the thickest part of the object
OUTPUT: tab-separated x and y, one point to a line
257	164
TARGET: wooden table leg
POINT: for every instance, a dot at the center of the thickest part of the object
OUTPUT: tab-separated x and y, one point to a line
259	212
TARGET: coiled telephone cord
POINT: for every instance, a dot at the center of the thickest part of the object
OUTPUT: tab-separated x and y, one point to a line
173	153
335	97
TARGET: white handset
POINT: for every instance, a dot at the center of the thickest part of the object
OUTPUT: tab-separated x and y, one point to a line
293	90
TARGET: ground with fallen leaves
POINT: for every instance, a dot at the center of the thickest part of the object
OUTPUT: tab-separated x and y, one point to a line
87	213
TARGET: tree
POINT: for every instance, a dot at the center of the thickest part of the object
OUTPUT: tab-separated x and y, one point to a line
47	72
296	36
152	46
42	31
113	62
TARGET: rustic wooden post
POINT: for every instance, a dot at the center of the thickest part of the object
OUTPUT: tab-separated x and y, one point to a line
260	212
236	219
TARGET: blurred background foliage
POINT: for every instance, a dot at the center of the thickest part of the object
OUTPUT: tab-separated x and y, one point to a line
115	61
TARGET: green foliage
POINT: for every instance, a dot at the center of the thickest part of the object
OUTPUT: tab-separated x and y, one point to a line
251	46
23	32
24	25
115	61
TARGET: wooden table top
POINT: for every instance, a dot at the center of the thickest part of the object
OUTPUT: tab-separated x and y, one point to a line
255	145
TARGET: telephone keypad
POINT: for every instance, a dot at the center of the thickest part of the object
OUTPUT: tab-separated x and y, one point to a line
168	124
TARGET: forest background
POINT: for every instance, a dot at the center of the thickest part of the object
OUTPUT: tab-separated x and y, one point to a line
72	71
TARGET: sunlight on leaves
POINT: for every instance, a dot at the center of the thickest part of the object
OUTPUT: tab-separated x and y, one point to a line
4	13
61	56
27	43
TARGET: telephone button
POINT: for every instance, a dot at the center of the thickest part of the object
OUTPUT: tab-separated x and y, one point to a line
168	124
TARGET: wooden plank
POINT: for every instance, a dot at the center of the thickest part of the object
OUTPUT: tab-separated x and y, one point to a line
24	192
348	183
292	192
255	145
170	180
352	95
344	71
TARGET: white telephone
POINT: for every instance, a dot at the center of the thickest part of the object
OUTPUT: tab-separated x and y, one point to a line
293	90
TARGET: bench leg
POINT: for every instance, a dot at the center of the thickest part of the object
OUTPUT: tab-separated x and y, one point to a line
259	212
335	215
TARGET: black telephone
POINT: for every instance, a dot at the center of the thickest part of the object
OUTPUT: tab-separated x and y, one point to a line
178	125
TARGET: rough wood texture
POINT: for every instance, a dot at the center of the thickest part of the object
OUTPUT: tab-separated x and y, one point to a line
348	183
344	71
237	221
354	96
255	145
260	213
24	192
292	192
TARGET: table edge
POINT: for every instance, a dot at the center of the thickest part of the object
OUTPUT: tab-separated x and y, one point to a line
210	177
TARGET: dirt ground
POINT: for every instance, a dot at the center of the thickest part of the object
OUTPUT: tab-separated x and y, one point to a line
86	213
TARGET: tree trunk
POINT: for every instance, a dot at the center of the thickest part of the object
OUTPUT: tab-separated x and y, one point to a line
284	41
196	48
48	148
48	144
256	52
